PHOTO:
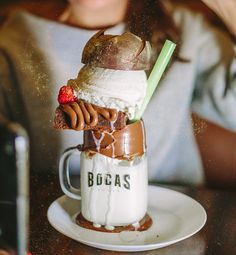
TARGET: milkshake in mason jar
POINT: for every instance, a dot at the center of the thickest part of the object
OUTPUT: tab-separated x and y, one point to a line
101	102
115	181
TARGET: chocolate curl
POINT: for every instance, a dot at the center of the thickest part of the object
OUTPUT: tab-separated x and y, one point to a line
119	52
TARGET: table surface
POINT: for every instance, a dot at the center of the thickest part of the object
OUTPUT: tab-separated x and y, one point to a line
217	237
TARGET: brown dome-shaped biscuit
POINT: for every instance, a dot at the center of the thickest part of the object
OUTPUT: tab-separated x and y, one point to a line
120	52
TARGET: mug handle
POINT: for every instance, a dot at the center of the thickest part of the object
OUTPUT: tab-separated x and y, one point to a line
64	176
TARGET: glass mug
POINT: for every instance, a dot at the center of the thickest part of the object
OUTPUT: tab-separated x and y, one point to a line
113	191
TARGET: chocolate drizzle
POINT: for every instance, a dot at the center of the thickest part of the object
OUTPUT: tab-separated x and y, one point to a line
126	143
81	113
144	224
105	130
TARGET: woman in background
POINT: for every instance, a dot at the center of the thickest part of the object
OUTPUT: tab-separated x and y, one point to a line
39	54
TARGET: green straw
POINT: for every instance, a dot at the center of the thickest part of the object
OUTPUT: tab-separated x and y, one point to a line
155	76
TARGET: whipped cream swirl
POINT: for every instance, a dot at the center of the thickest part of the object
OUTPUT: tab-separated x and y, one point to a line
119	89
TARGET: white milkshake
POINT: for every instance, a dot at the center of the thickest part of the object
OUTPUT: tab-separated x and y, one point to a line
114	191
102	102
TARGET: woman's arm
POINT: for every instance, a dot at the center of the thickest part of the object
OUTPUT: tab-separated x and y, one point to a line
217	147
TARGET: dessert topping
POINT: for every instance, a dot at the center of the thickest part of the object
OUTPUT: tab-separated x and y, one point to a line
66	95
82	115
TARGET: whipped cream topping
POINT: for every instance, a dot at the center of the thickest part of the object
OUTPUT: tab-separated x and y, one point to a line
119	89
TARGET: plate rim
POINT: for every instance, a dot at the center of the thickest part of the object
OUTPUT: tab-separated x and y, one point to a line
128	247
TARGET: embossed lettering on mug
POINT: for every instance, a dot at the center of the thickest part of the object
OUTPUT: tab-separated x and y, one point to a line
116	180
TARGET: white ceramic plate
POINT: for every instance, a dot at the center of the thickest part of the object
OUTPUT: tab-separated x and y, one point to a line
175	217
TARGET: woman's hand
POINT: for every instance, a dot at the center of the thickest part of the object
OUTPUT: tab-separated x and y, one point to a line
226	10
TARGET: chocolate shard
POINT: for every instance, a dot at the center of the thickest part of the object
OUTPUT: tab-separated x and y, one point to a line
61	121
120	52
124	144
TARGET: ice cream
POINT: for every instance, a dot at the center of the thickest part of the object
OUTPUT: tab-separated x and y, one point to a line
113	77
101	101
120	89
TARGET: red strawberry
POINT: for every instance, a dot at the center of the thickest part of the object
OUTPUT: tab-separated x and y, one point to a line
66	95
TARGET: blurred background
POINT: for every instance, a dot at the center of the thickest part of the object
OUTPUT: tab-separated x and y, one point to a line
38	7
217	145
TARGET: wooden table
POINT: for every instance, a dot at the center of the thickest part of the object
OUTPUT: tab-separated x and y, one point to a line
217	237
